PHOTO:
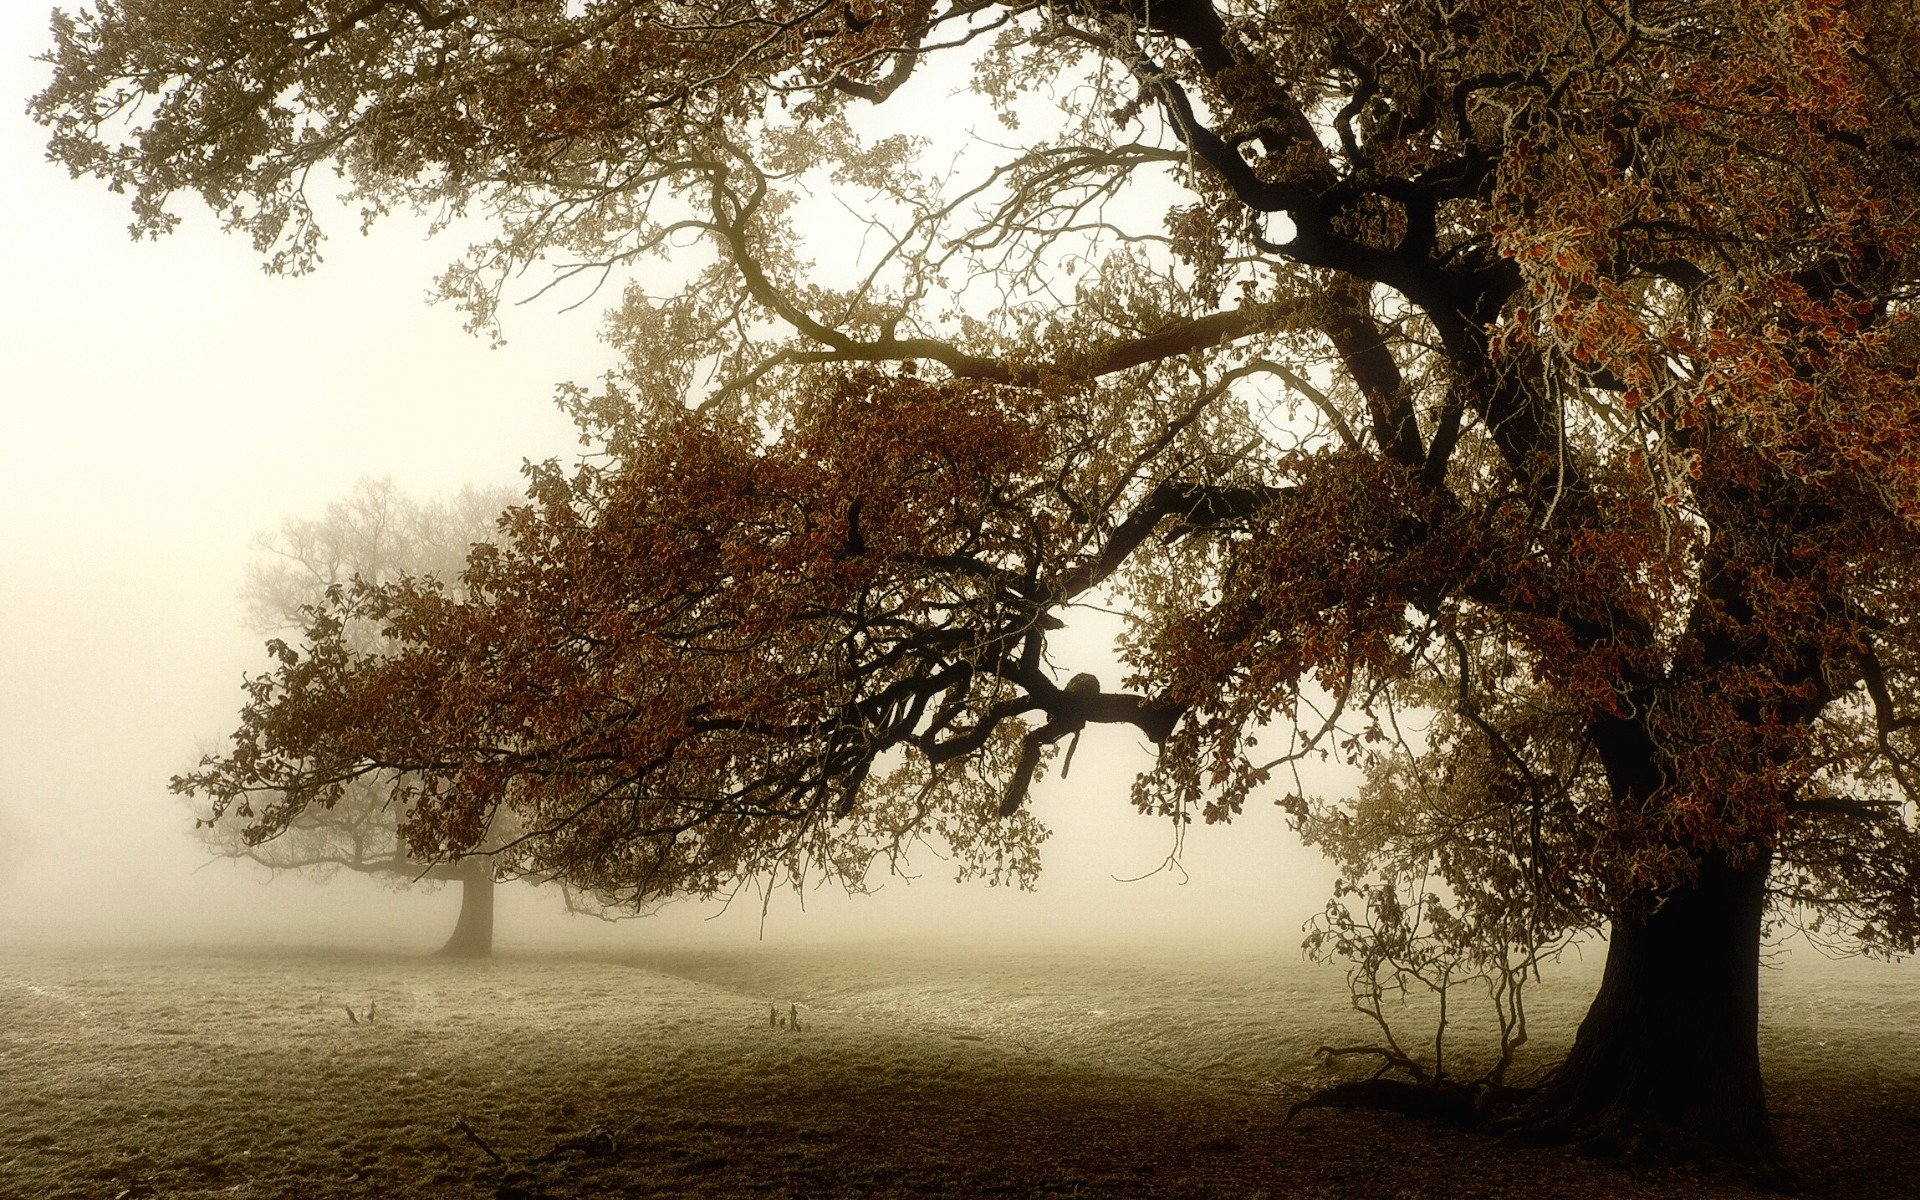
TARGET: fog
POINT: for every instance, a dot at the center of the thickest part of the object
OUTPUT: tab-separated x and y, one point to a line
167	403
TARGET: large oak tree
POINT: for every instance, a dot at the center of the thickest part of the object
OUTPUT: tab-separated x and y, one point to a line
1549	366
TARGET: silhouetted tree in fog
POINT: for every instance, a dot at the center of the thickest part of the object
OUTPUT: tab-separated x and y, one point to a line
375	535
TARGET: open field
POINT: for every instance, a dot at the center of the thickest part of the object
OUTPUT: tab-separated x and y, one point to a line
916	1072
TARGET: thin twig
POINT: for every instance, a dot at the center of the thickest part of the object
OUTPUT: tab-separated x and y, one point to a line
460	1123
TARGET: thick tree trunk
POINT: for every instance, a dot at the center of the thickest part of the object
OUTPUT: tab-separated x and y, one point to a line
1667	1061
473	933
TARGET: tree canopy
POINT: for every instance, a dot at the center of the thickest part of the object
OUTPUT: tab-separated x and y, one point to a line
1517	400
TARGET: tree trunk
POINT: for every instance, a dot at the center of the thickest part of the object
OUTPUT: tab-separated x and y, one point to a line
1667	1061
473	933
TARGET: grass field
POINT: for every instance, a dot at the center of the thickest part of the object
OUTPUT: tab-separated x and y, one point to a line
915	1072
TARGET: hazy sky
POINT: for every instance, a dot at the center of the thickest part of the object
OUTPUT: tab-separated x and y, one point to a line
163	404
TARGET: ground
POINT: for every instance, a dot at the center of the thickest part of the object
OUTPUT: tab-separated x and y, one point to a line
957	1072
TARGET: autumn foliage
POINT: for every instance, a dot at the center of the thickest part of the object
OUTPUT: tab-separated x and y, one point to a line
689	669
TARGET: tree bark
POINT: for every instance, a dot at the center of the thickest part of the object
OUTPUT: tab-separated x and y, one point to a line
473	932
1667	1061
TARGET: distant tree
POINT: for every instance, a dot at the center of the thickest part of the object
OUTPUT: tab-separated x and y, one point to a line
376	535
1547	365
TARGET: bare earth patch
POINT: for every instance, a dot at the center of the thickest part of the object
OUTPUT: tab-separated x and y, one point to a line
126	1075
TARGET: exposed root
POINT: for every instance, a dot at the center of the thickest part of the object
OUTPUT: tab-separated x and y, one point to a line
1427	1100
1465	1106
1545	1116
1553	1116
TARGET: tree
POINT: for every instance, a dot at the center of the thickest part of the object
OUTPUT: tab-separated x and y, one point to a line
1547	366
376	535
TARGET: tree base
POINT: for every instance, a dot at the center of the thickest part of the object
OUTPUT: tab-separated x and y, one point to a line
1730	1139
1543	1116
473	932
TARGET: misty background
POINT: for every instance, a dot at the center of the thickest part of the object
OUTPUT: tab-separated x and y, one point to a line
163	405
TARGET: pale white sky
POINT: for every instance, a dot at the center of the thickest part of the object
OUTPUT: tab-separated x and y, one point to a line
163	404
